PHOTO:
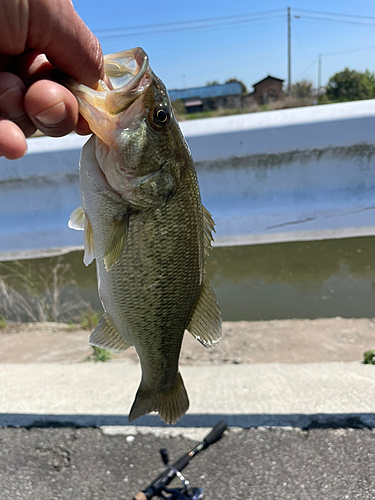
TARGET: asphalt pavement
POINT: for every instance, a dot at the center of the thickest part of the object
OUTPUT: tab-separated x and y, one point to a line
254	464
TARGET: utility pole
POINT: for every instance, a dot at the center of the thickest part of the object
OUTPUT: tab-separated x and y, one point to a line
319	74
289	55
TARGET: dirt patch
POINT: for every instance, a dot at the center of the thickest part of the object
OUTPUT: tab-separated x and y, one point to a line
283	341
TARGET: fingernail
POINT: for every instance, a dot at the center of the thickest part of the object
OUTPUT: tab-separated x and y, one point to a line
52	116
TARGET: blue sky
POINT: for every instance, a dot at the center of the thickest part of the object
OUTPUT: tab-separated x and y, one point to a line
245	50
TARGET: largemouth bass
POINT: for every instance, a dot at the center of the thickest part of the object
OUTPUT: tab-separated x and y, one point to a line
145	225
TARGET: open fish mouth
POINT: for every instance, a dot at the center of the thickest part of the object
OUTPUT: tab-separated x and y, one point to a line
126	67
129	75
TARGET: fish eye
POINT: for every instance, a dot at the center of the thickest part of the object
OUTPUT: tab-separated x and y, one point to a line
161	116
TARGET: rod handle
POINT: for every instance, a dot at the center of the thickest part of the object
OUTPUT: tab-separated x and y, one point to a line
216	433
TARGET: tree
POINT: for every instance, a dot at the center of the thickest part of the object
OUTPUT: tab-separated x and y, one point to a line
351	85
302	89
214	82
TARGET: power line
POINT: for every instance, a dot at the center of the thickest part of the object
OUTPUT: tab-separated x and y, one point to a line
337	20
196	24
359	49
307	67
341	52
189	22
262	17
164	31
333	14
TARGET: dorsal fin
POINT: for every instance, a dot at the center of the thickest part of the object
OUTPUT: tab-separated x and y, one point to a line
106	336
205	323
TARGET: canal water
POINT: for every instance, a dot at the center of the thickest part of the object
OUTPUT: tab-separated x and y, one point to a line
259	282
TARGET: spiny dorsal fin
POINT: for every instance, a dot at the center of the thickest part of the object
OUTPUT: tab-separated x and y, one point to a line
88	240
205	323
208	229
106	336
117	239
77	219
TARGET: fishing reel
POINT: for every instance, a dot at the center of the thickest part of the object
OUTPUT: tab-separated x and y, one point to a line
184	493
159	487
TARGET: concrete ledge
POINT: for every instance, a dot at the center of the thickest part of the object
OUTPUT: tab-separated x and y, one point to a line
288	175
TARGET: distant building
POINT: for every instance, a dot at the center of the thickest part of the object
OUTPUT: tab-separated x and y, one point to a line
209	97
268	90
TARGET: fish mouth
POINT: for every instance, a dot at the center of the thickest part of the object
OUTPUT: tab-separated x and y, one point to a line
129	75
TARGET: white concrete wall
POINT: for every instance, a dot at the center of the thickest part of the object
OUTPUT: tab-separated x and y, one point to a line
299	174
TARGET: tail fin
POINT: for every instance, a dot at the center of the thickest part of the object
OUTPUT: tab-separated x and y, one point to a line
170	405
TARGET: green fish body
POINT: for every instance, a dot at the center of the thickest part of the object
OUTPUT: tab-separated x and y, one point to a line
146	227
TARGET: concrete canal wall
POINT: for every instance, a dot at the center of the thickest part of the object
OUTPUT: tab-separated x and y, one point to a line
298	174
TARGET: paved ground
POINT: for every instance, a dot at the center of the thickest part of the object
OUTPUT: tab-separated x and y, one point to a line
245	394
253	464
306	375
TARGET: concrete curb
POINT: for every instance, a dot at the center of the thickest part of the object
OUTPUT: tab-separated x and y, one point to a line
91	394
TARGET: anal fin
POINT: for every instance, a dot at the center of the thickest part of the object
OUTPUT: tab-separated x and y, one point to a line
106	336
205	323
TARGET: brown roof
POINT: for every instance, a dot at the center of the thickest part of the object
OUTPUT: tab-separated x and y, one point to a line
269	77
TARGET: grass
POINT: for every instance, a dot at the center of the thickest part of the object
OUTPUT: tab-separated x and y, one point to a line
369	357
99	355
71	326
89	321
3	323
48	294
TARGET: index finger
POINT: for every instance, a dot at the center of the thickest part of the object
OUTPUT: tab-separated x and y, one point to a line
54	28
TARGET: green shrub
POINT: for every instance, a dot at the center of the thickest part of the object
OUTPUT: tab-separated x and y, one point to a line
369	357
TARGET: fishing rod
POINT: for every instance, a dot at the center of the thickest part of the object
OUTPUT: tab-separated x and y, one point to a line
159	487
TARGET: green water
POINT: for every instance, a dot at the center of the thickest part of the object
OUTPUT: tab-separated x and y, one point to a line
277	281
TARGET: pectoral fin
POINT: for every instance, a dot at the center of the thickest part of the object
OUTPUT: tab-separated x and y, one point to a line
77	219
88	241
106	336
117	240
205	323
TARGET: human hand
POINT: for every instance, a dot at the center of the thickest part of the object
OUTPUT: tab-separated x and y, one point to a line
37	36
